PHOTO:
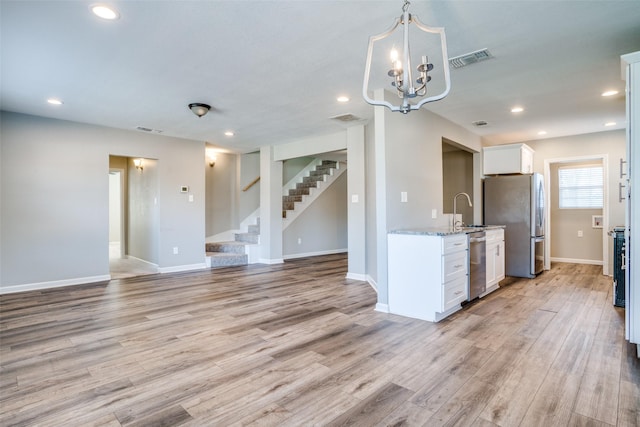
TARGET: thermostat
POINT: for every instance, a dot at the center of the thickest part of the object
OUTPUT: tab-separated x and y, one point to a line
184	189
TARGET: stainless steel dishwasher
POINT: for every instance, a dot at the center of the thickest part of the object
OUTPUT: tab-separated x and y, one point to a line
477	264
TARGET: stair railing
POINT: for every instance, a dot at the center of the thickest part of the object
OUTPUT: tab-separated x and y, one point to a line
251	184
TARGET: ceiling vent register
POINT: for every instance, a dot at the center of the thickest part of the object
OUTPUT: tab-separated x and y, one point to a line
470	58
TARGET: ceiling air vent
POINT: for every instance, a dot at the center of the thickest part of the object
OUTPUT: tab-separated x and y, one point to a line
144	129
479	123
346	118
470	58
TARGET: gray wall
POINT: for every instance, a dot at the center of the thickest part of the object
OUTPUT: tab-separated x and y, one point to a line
54	190
144	212
249	169
565	224
221	194
457	176
323	226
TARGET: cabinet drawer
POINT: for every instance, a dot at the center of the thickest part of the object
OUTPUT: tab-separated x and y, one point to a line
454	293
455	243
454	266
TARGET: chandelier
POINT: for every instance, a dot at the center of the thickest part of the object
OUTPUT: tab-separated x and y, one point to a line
401	74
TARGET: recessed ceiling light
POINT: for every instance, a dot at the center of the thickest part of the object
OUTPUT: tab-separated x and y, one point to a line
610	93
610	124
54	101
342	98
105	12
229	133
542	132
517	110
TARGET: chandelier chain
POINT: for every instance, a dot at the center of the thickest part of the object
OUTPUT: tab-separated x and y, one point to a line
405	6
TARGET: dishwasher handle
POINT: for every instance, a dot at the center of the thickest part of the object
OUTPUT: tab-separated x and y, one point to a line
477	239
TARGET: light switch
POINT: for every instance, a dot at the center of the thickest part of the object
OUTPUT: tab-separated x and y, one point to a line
403	196
354	198
191	197
434	213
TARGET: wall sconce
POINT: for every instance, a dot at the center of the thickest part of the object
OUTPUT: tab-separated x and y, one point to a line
138	164
211	157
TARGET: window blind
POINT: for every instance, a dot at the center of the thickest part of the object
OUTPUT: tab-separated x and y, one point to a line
580	187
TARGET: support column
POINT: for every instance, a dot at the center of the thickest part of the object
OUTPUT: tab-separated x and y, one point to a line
270	207
356	204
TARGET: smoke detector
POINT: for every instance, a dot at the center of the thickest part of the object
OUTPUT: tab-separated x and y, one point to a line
470	58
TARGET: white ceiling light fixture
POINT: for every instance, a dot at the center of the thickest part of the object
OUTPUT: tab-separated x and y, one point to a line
609	124
229	133
609	93
517	110
342	98
542	132
199	109
105	12
54	101
401	72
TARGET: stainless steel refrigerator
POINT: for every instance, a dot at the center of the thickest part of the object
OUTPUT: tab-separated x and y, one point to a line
517	201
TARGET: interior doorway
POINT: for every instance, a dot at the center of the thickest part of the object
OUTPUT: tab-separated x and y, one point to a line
551	220
123	199
457	177
117	243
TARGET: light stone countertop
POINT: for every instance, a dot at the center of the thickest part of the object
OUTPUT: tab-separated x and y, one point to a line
444	231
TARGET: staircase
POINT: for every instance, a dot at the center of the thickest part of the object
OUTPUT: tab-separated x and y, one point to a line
297	196
297	199
233	253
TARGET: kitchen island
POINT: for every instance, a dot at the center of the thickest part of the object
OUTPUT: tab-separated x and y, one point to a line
429	269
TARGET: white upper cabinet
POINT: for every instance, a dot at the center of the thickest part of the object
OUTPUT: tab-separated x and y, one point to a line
507	159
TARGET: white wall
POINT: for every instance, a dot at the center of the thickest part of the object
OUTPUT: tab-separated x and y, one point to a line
55	196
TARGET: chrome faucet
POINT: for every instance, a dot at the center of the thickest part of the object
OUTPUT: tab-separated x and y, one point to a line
455	198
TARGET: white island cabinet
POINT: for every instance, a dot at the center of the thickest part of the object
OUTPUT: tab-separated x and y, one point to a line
428	274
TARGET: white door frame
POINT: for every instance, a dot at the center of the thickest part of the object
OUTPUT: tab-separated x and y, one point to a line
604	158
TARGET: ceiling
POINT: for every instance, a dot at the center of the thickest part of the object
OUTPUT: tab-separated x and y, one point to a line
272	70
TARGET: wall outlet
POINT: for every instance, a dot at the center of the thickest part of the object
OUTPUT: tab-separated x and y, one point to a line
175	250
299	240
434	213
580	234
403	196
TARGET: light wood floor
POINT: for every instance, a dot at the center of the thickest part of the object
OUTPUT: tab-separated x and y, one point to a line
298	345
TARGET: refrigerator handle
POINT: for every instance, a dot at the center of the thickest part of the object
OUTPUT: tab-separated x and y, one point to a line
621	197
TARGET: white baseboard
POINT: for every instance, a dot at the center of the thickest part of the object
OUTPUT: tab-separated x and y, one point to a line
319	253
270	261
382	308
372	283
54	284
356	276
151	264
179	268
577	261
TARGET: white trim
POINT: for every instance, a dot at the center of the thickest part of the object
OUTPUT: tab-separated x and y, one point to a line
270	261
356	276
185	267
319	253
225	236
382	308
372	283
142	260
54	284
577	261
604	158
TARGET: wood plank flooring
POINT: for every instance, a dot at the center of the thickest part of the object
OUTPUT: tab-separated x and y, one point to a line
297	344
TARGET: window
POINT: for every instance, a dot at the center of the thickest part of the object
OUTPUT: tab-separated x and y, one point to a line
581	187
